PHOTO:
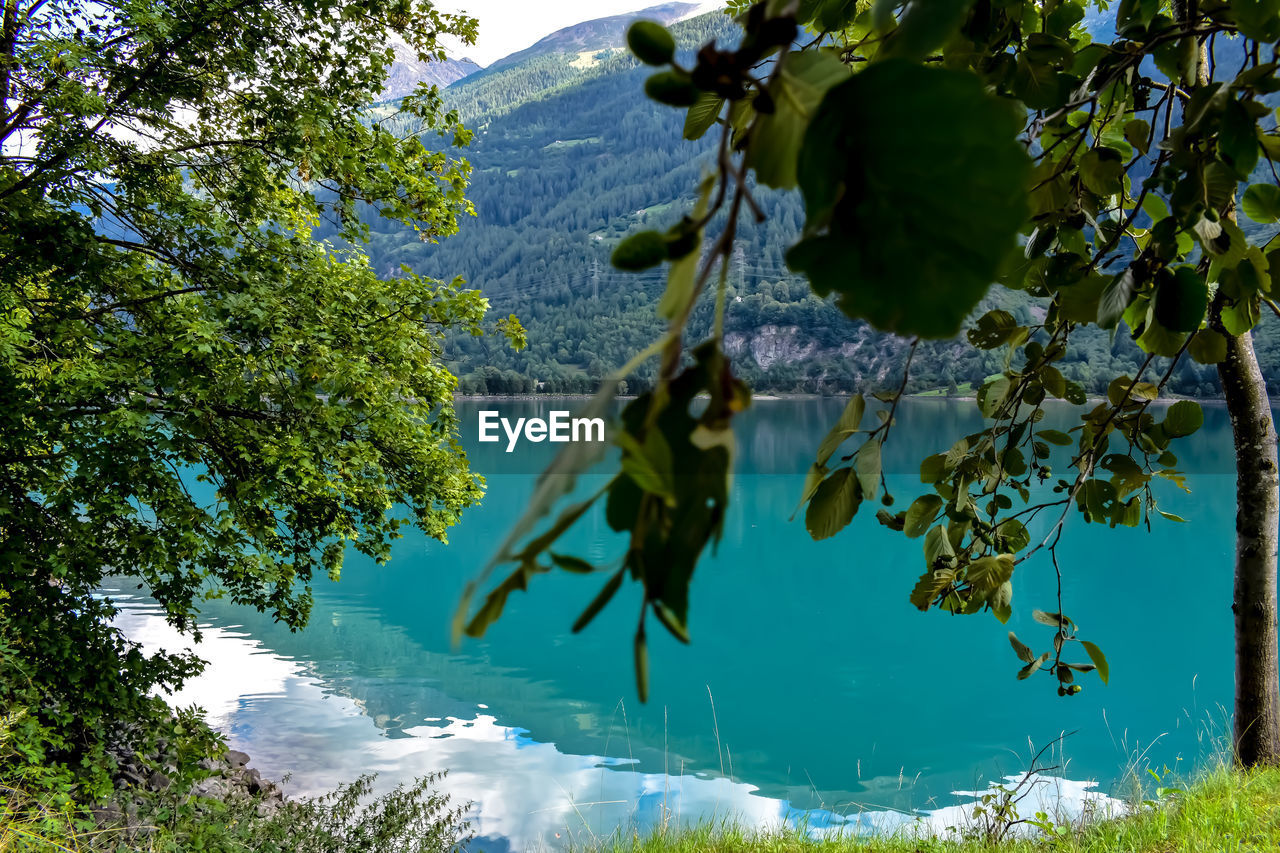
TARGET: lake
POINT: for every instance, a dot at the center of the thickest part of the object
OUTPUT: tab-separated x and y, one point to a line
813	692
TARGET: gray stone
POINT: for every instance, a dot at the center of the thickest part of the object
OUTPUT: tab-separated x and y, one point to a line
215	788
130	777
107	815
157	781
236	758
253	781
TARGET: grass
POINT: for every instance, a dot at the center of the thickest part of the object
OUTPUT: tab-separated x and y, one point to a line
1225	810
964	389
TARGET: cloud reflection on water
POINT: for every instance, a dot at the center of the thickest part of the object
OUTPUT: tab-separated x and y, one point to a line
528	795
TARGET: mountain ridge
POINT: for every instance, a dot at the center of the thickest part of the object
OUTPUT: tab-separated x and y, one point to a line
598	33
569	160
407	71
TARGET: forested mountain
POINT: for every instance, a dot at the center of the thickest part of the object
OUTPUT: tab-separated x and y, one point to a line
569	157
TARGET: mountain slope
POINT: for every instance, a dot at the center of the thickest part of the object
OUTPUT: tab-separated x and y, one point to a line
596	35
568	160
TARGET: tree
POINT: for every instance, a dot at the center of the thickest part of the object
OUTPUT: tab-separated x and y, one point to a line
196	392
940	146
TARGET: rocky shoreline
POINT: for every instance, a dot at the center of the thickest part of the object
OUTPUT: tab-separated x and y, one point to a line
139	779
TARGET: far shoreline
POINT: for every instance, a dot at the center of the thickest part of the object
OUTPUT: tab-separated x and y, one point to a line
795	397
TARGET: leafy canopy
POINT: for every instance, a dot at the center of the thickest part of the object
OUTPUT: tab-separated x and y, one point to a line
196	392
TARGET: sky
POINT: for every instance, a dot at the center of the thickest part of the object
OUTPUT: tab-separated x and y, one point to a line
510	25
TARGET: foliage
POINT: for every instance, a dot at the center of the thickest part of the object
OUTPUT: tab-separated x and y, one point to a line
416	818
199	392
1111	166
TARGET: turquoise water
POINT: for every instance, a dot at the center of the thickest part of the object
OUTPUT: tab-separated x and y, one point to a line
812	689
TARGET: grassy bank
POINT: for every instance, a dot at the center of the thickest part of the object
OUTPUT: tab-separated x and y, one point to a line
1223	811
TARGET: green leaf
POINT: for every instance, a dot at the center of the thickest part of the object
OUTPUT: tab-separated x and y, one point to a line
867	465
796	92
846	426
937	546
987	573
1021	649
651	42
833	505
1099	660
930	586
992	394
1078	301
640	251
1001	602
1014	535
496	600
1033	667
1181	300
597	604
923	27
1183	418
1129	513
1115	299
650	465
671	622
1208	347
572	564
1176	59
920	515
1155	207
1102	170
1054	436
812	480
910	228
993	329
1039	85
702	115
673	88
1261	203
682	276
1053	620
1137	132
933	468
642	667
1242	315
1238	138
1219	184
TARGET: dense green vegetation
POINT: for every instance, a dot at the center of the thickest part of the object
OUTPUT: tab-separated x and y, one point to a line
197	392
569	159
412	818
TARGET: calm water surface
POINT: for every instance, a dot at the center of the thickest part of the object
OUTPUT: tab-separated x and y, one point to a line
813	690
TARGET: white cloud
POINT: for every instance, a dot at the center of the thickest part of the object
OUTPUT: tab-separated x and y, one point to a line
530	793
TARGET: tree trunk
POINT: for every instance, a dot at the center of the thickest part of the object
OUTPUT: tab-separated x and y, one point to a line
1257	702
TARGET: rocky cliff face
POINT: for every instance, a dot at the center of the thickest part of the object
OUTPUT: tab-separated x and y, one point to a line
769	345
870	355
